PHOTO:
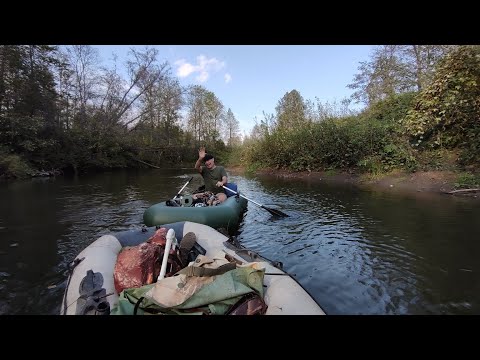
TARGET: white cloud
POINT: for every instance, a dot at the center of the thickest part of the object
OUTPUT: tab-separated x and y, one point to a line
184	69
204	67
202	77
228	78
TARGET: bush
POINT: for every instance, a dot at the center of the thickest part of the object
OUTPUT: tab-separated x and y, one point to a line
466	180
13	166
446	113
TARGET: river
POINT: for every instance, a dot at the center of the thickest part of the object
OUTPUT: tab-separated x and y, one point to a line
355	251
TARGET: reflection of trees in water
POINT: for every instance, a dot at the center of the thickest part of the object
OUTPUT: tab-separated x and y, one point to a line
408	255
30	214
355	251
437	239
29	211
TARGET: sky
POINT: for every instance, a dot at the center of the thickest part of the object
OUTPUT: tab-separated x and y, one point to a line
251	79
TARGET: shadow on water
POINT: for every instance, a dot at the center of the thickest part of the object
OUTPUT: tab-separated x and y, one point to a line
356	252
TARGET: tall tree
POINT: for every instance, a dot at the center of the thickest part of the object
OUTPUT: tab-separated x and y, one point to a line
144	73
161	108
84	61
395	69
215	115
382	76
290	111
264	128
204	114
27	99
232	127
171	100
27	85
196	111
421	60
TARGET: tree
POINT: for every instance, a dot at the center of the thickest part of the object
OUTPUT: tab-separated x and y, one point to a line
83	61
232	127
170	95
215	115
144	73
196	111
27	99
382	76
395	69
421	60
161	107
446	113
204	114
290	111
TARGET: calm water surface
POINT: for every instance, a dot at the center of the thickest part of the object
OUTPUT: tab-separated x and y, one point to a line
355	252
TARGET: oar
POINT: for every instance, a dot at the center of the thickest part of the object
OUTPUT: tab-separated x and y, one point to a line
182	188
271	211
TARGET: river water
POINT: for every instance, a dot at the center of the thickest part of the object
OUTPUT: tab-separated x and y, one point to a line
354	251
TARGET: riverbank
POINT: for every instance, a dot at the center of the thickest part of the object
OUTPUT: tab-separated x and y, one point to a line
421	182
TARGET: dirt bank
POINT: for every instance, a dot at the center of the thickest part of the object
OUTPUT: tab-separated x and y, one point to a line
422	182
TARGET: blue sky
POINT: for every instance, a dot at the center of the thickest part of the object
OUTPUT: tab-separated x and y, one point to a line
251	79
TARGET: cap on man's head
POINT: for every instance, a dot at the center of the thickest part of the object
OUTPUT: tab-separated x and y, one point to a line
208	157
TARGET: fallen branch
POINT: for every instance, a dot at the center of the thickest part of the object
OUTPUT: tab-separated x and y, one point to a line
463	191
143	162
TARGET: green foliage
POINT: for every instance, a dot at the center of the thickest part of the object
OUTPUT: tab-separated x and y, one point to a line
232	156
371	164
470	153
336	143
28	137
369	141
251	169
232	129
436	159
291	110
397	156
446	113
391	110
47	121
13	166
394	69
466	180
442	116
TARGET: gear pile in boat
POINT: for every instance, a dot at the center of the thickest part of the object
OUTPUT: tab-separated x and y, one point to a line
193	283
140	265
206	198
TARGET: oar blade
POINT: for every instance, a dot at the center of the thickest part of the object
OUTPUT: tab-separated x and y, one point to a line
275	212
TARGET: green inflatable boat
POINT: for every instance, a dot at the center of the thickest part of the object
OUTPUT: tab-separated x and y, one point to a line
226	215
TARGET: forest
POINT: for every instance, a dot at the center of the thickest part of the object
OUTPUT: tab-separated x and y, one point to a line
62	112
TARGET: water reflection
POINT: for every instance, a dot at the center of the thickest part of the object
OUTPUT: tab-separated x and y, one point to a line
381	254
356	252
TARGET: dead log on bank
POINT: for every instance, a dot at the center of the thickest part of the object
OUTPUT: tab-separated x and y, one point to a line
463	191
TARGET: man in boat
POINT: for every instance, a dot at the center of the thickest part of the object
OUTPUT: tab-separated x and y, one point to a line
214	177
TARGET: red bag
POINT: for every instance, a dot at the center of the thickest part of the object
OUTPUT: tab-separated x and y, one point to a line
136	266
140	265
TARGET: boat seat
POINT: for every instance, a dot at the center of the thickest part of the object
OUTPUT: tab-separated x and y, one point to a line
231	186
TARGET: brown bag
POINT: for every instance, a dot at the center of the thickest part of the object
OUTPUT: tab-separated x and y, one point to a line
249	304
140	265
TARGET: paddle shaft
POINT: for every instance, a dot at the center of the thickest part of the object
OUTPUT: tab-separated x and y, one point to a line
182	188
170	239
271	211
233	191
